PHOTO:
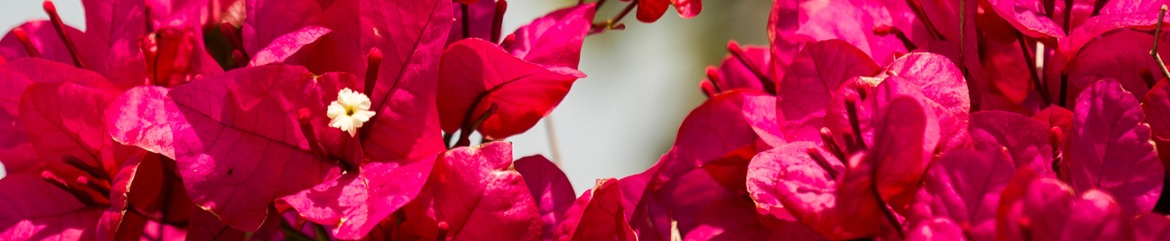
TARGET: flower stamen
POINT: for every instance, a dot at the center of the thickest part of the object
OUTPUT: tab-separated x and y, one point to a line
29	48
55	18
350	111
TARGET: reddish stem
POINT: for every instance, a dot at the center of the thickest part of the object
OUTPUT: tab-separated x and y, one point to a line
466	20
615	22
468	127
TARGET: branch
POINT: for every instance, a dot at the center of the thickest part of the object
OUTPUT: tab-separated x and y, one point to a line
1157	35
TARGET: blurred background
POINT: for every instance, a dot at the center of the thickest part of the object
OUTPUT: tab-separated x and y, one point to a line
642	80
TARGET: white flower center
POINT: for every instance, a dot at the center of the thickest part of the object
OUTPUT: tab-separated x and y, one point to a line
349	111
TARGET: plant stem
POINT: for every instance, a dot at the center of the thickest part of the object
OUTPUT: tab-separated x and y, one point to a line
320	232
292	233
1032	69
553	146
1157	35
466	21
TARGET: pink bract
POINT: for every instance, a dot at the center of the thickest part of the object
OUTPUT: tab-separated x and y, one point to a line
551	189
504	207
1127	166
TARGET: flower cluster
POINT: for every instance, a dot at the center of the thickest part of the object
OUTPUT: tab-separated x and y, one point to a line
301	119
352	119
925	120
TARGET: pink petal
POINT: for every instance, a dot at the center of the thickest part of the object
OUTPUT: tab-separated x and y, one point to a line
810	80
735	73
1028	17
1025	139
712	203
124	120
1121	55
1108	148
1151	226
786	179
1128	7
1157	110
596	215
46	40
965	186
404	95
650	11
205	226
551	189
353	203
481	16
15	144
475	192
553	40
942	83
724	124
1055	116
286	45
65	121
898	150
852	21
1006	68
936	229
237	141
114	30
730	220
1051	212
269	20
478	74
1099	25
688	8
646	214
36	209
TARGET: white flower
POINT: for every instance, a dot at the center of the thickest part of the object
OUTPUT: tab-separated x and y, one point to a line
350	111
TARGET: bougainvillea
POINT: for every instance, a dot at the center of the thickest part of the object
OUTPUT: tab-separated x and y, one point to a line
352	120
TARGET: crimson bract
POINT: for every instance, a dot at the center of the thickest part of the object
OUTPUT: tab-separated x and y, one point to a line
352	120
